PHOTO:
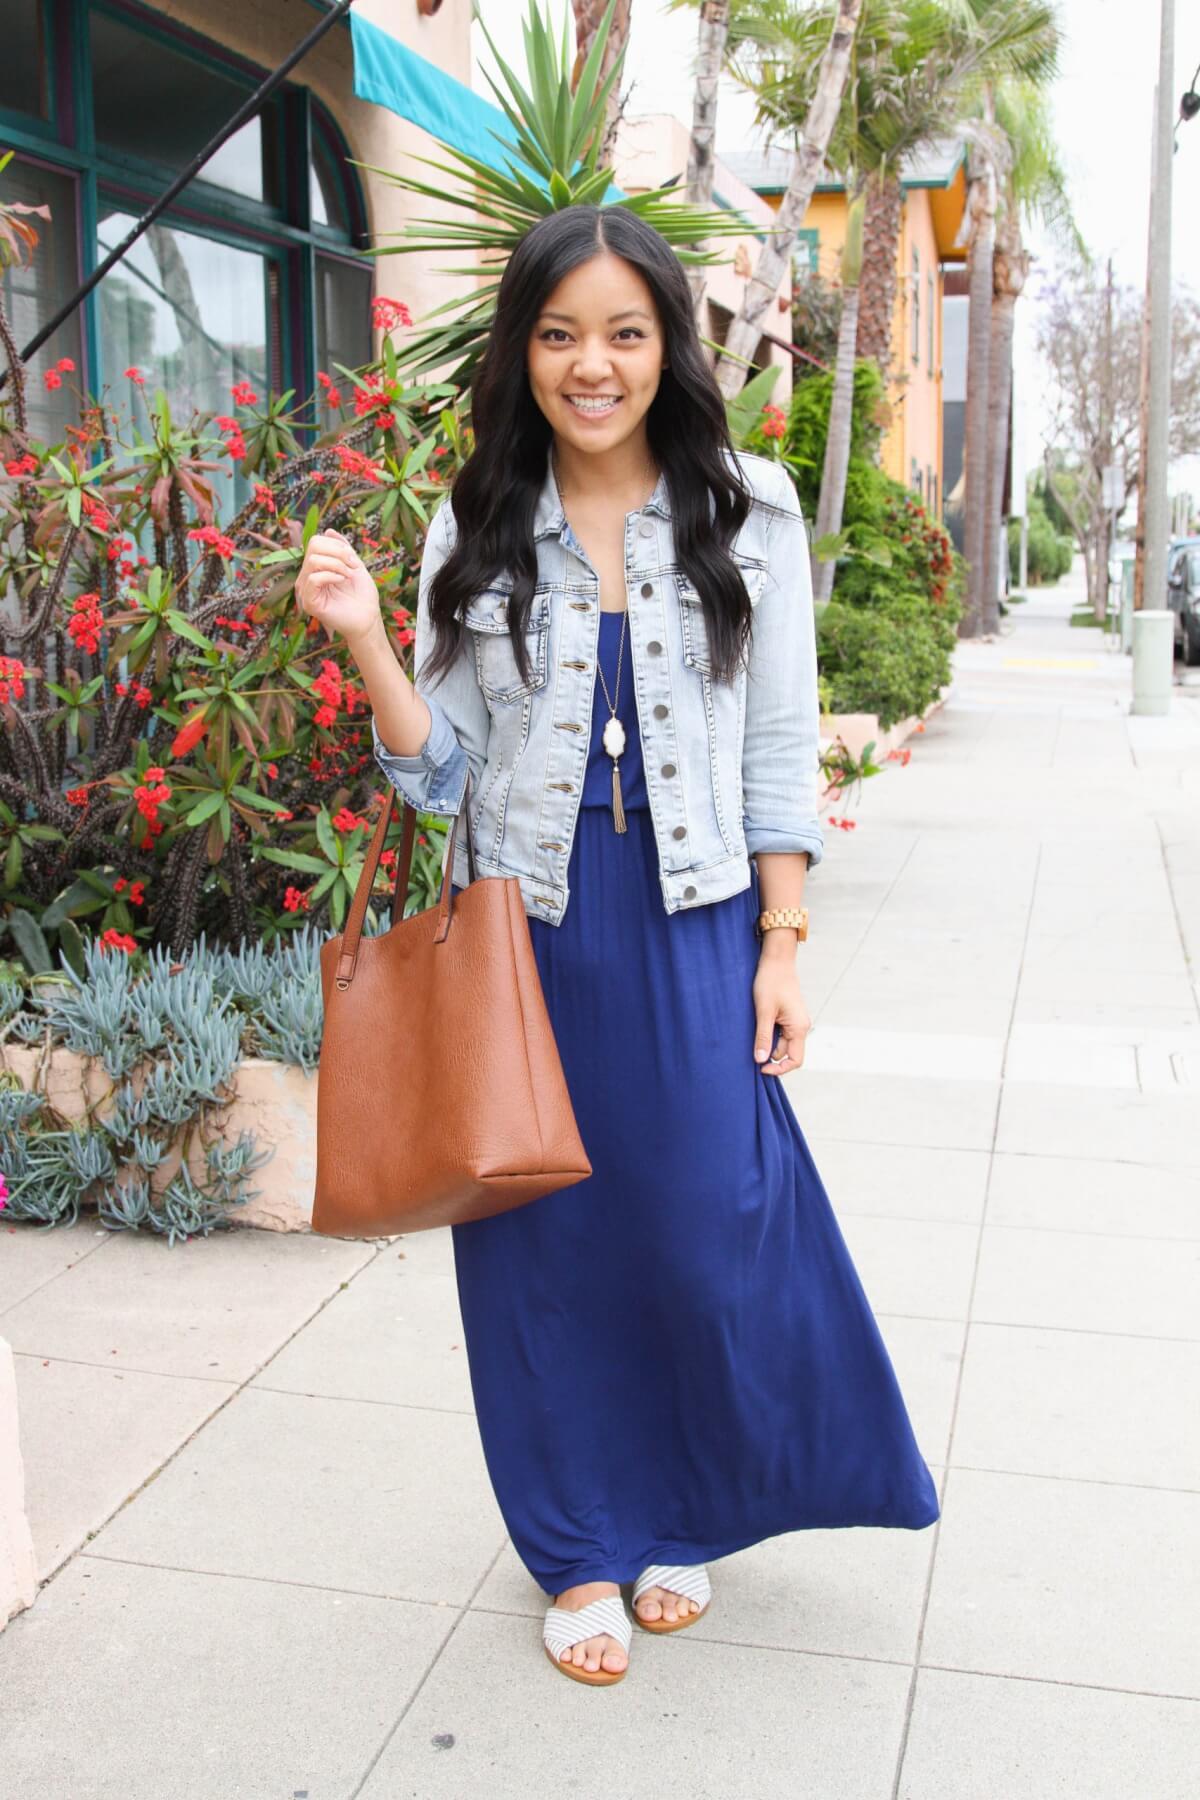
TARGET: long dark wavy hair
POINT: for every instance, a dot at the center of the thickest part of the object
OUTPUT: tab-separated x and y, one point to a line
494	495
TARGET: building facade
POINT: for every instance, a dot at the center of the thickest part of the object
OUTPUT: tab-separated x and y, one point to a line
258	273
934	197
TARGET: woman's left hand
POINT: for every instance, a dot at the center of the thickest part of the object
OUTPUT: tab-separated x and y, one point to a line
778	1001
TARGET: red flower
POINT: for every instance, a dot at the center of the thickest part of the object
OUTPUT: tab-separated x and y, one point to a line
77	796
272	771
295	901
137	893
86	623
65	365
353	462
113	939
243	394
387	314
345	820
333	395
22	465
213	540
325	716
12	679
264	496
136	376
52	379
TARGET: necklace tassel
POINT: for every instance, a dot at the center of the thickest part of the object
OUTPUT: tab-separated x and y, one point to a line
618	803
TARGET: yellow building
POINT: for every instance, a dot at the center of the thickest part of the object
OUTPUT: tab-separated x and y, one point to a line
934	198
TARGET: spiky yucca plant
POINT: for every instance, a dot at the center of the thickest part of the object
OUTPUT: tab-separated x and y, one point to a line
554	162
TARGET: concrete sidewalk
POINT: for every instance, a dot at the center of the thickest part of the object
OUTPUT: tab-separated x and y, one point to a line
277	1568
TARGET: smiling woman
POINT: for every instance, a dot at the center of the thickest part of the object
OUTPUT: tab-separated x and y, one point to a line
673	1358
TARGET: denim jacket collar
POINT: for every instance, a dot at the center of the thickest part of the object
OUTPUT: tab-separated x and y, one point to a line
550	517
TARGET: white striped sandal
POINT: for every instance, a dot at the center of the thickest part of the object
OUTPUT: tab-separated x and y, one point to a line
692	1583
563	1629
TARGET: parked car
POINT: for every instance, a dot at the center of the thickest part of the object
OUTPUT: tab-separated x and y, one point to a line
1183	598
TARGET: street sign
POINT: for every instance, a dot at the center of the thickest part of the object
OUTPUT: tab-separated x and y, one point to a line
1112	488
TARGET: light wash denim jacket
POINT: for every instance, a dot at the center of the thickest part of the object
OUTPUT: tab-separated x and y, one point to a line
730	768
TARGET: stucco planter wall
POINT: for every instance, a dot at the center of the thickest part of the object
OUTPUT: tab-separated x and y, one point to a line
18	1570
857	730
275	1101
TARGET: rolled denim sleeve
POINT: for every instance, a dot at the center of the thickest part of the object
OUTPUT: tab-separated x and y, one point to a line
434	779
781	748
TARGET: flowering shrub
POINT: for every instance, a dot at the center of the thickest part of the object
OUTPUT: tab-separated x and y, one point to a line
884	640
181	748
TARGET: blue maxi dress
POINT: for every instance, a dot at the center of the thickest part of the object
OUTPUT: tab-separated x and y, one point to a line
674	1358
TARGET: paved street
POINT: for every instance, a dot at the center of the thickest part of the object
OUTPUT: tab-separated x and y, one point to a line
277	1569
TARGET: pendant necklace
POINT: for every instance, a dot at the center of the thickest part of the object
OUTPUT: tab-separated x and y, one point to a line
613	737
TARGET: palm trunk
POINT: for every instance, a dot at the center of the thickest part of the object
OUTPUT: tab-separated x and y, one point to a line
1010	268
589	16
982	208
775	256
881	246
837	444
710	57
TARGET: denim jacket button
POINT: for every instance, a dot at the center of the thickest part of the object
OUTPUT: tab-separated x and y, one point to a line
647	589
661	711
654	647
646	528
689	893
667	769
679	831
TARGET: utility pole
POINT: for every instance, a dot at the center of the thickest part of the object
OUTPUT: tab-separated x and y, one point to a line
1159	406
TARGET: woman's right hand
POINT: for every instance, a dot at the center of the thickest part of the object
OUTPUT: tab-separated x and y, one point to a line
335	586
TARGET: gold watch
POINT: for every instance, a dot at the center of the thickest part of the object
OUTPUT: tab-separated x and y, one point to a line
783	915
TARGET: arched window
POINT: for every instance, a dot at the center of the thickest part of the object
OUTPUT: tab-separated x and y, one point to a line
255	275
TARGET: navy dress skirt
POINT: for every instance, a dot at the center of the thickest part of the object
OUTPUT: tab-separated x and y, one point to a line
674	1358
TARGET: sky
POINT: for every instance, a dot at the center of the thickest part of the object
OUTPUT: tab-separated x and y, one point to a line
1102	105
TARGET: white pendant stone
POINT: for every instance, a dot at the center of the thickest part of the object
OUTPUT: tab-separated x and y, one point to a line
614	737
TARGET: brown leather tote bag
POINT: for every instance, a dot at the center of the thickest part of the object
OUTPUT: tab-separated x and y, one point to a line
441	1096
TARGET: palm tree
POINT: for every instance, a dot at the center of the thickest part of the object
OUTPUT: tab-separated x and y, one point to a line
806	104
915	64
837	441
589	16
980	228
928	59
555	163
1034	187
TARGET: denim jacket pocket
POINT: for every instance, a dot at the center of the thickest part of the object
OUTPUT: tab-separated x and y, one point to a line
486	618
697	653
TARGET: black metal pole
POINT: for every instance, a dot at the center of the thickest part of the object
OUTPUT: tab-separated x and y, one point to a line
246	111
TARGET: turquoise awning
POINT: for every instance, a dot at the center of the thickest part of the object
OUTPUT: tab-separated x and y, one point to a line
388	73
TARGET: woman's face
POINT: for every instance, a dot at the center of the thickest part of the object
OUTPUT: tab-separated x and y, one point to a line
597	338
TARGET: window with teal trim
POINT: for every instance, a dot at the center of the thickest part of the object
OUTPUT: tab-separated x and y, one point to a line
255	275
805	253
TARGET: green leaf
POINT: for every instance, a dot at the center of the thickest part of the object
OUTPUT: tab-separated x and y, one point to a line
312	521
829	547
74	505
13	862
185	629
326	837
70	942
205	808
250	798
297	859
29	941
